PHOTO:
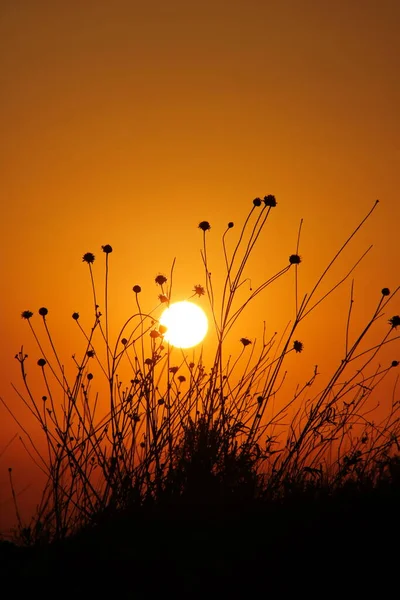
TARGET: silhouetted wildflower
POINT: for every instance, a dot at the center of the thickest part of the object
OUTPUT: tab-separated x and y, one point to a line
160	279
257	201
137	289
245	341
161	401
154	333
298	346
181	378
294	259
107	249
204	226
90	353
191	365
162	329
75	316
90	376
269	200
148	362
385	292
260	399
230	224
173	370
41	362
27	314
163	298
43	311
199	290
44	398
124	341
395	321
395	363
88	258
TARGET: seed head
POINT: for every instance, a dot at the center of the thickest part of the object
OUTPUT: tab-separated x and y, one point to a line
160	279
88	258
90	376
395	363
41	362
257	201
137	289
181	378
199	290
204	226
245	341
395	321
173	370
27	314
90	353
75	316
298	346
43	311
270	200
154	334
107	249
385	292
163	298
294	259
124	341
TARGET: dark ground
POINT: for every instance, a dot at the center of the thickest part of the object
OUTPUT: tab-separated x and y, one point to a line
319	545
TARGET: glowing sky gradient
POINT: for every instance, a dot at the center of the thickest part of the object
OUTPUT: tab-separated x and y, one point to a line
128	124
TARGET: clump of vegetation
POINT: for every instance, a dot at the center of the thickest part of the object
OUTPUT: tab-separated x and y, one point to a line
181	434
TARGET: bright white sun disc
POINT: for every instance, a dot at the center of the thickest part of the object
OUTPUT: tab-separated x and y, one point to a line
186	324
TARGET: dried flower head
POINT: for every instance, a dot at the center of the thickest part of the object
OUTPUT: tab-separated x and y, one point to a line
137	289
160	279
90	353
75	316
294	259
298	346
161	401
181	378
90	376
148	362
395	321
88	258
199	290
41	362
43	311
124	341
27	314
163	298
257	201
260	399
107	249
385	292
204	226
270	200
230	224
154	334
173	370
395	363
245	341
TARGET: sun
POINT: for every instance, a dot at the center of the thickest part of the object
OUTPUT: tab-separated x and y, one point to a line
186	324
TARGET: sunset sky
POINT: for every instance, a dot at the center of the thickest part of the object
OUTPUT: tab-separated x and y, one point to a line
128	123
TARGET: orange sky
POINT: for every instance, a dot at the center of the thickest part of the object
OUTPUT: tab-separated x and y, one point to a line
128	124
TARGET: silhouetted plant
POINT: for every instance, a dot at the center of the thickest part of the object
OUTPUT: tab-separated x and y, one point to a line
181	433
